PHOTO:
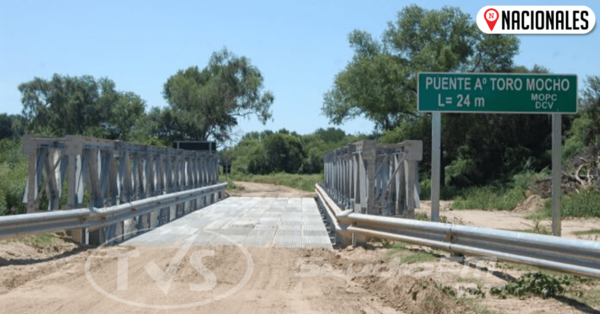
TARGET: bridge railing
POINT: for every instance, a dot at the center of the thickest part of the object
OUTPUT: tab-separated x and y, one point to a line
114	173
376	179
100	221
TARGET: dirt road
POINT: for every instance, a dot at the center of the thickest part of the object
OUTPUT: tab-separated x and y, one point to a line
61	285
252	189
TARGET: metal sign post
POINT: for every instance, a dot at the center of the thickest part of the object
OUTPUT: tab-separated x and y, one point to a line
497	93
436	141
556	172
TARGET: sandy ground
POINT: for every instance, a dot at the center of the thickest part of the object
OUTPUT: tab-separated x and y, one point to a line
267	190
511	220
61	286
281	280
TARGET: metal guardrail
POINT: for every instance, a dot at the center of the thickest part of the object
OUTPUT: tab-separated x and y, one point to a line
375	179
578	257
17	225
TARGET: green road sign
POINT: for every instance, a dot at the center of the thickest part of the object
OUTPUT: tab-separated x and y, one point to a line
497	93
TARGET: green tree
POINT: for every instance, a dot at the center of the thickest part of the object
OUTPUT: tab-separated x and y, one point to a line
380	81
585	131
246	150
127	109
267	151
11	126
79	105
282	152
330	135
206	103
591	106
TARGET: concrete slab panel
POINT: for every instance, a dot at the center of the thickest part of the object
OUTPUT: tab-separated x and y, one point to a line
251	221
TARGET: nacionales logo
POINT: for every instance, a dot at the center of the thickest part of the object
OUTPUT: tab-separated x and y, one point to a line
570	19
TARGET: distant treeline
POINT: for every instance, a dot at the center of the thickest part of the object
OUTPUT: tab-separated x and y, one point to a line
284	151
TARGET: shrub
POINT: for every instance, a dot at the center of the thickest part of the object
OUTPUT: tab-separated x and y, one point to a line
584	204
13	177
489	197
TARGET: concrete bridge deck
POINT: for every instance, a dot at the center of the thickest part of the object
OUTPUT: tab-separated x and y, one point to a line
250	221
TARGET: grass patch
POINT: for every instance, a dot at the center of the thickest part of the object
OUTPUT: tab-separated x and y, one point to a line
585	204
517	267
38	240
232	186
304	182
478	308
538	229
587	232
421	216
545	231
477	281
501	196
539	284
435	303
539	215
425	217
470	302
571	279
408	256
446	192
489	197
590	298
43	239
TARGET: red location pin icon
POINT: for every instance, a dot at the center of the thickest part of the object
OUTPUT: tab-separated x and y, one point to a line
491	17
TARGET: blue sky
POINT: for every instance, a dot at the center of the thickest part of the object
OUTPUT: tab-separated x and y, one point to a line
299	46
